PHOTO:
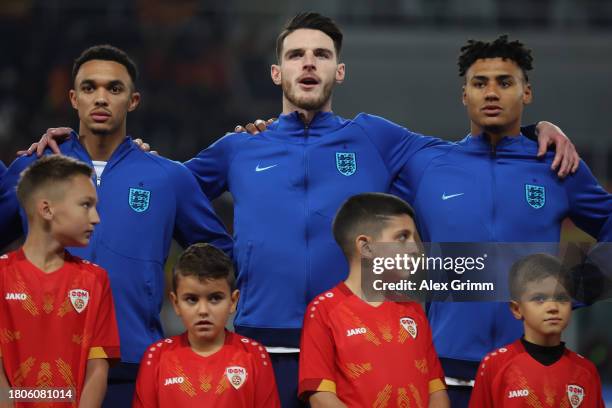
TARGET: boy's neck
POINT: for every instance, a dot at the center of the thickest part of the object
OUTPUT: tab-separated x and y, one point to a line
43	251
206	348
100	147
546	340
353	282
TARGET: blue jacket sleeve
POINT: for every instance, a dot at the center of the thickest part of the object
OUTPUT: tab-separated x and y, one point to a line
396	144
590	205
10	220
211	166
196	220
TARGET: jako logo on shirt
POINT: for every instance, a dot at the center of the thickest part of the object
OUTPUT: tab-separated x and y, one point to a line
236	375
16	296
518	393
358	330
174	380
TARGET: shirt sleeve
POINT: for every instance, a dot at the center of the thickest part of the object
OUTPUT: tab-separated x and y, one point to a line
146	394
317	356
196	220
436	374
105	337
266	393
482	396
211	166
590	206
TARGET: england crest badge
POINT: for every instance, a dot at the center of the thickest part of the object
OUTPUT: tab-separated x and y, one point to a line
79	299
346	163
535	195
236	375
139	199
409	325
575	393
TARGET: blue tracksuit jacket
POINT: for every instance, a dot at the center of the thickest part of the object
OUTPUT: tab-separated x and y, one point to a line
470	192
287	183
144	201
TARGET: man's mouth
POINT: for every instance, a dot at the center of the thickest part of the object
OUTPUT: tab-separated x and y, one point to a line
308	82
492	110
100	116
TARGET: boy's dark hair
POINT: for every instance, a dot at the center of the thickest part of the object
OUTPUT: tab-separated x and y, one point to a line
314	21
500	48
366	214
46	171
205	262
534	268
106	52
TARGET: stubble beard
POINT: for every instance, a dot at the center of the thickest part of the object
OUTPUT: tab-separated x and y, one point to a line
308	104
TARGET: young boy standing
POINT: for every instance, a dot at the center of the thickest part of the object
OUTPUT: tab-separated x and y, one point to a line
207	365
57	320
360	353
538	370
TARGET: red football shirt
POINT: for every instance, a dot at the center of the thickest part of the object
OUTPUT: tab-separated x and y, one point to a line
369	356
510	377
238	375
52	323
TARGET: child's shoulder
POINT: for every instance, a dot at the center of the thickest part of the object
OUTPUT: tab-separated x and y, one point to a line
581	361
86	267
250	347
500	357
160	347
329	299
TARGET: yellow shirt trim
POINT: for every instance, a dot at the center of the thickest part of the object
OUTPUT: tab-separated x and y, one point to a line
96	352
436	385
327	385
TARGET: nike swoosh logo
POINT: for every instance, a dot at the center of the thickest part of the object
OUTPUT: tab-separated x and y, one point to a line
264	168
446	197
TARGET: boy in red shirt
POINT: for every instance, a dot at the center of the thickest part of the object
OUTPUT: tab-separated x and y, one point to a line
57	320
538	370
207	365
360	353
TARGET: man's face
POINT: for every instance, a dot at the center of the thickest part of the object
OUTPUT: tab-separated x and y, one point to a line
494	94
103	96
308	70
72	211
545	306
203	306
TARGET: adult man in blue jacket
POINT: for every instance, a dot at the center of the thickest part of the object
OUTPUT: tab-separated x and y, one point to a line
489	188
144	201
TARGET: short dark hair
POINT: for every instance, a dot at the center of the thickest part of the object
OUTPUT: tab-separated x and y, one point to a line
534	268
500	48
205	262
106	52
313	21
366	213
48	170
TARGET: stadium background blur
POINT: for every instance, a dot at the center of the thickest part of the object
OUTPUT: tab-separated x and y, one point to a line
204	68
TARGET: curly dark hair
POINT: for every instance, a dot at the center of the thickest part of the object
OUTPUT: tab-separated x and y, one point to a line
500	48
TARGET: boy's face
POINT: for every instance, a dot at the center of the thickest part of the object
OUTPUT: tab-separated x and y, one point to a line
71	211
203	306
545	307
495	93
103	95
308	69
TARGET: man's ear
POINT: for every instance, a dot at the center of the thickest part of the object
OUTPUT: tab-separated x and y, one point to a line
134	101
463	96
73	98
340	73
275	73
515	309
527	94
